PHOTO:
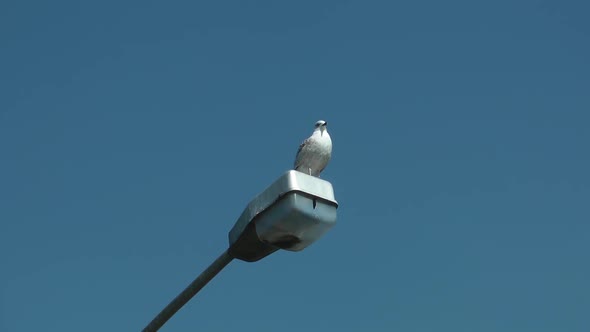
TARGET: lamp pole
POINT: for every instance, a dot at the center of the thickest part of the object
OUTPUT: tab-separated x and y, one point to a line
295	211
190	291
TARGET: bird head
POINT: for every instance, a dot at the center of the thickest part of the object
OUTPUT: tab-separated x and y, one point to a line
321	125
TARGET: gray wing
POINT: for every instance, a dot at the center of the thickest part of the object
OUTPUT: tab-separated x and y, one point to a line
300	156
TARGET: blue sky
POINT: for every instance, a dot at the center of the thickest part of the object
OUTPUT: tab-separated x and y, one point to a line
133	134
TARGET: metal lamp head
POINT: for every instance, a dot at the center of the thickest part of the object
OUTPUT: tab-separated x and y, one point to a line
292	213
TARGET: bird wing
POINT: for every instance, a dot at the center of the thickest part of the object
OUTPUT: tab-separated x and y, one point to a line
298	157
302	145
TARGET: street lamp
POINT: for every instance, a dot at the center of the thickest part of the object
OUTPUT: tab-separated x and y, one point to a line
292	213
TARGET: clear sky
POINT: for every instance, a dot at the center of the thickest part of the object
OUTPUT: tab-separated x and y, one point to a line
133	134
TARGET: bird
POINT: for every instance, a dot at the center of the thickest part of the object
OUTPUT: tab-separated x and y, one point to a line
315	151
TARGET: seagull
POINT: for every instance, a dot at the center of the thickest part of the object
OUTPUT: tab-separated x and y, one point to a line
315	152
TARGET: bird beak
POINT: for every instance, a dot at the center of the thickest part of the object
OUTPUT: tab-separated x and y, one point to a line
325	124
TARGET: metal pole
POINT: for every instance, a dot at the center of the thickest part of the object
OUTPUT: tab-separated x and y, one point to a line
189	292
